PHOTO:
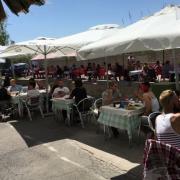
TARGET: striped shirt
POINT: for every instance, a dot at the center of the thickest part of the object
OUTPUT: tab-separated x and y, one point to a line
164	131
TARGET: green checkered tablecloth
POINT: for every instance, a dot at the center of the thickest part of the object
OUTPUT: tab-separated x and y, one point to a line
62	104
59	104
121	118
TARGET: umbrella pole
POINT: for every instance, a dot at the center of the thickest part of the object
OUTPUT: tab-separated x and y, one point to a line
163	56
12	69
46	78
106	66
175	69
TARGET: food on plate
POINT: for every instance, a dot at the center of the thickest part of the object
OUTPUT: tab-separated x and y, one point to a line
130	106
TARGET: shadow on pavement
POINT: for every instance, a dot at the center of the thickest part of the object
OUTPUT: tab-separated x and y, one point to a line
133	174
46	130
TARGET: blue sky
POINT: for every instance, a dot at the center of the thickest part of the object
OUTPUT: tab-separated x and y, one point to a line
58	18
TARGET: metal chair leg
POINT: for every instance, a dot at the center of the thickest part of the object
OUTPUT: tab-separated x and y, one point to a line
29	114
41	112
139	129
81	118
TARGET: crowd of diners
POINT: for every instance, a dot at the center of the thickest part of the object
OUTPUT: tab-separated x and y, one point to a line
150	72
167	123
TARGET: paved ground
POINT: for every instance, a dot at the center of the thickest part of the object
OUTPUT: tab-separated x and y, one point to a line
45	149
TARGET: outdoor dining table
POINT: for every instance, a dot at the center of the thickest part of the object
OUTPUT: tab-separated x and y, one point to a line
121	118
59	104
18	98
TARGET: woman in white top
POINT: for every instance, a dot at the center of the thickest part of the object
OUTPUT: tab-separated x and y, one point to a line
168	123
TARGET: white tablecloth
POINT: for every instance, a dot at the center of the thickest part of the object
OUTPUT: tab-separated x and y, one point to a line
17	99
135	72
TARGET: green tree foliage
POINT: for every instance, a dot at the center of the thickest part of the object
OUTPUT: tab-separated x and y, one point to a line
4	36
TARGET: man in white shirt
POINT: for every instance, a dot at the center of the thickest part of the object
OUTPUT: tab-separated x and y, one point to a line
60	91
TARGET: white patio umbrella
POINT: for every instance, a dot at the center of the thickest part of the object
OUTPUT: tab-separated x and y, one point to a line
54	55
2	48
93	34
160	31
2	60
40	45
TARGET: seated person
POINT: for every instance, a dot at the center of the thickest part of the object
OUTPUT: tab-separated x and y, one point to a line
6	81
53	87
148	98
61	90
41	85
79	92
111	94
150	102
4	98
168	123
4	95
32	92
14	87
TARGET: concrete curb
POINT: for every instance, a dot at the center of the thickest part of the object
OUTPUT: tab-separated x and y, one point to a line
121	163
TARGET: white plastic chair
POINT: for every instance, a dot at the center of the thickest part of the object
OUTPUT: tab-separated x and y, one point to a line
96	107
33	103
84	109
150	121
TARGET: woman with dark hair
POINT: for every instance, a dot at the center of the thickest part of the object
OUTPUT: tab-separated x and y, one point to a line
6	81
79	92
4	95
32	92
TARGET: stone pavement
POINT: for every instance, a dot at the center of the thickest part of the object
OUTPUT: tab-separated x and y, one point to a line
44	149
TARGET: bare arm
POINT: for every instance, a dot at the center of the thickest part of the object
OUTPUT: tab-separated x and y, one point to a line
147	103
175	122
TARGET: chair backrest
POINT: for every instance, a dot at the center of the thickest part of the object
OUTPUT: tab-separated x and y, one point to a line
152	119
98	103
34	101
161	161
5	107
24	89
85	104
